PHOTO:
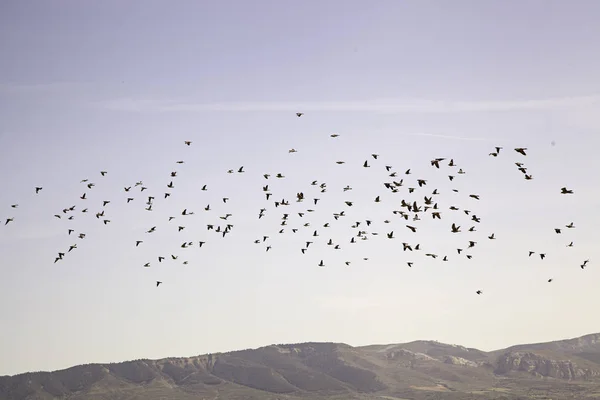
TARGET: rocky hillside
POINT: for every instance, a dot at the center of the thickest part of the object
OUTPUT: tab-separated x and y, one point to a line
418	370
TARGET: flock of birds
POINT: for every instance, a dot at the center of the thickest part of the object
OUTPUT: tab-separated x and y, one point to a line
417	204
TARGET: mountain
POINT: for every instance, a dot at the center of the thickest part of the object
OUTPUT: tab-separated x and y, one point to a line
566	369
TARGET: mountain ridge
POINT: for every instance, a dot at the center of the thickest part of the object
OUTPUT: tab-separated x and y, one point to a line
421	369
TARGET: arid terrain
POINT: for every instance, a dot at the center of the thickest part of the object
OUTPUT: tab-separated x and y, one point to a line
567	369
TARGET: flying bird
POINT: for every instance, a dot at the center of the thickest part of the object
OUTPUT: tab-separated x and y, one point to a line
564	190
521	150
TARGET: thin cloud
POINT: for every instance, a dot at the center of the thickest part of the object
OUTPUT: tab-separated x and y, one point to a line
138	105
390	106
27	88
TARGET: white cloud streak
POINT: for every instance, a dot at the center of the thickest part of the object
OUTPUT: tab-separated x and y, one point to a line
36	88
390	106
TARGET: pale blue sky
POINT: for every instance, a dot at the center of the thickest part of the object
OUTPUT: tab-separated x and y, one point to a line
118	86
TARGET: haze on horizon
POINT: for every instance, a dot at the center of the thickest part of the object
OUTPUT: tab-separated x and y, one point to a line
119	86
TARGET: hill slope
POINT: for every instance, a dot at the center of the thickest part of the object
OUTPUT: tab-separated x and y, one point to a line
564	369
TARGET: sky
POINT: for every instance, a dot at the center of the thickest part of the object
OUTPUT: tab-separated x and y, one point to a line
114	86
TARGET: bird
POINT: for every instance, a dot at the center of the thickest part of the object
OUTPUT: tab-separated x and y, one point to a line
436	162
564	190
299	114
521	150
158	283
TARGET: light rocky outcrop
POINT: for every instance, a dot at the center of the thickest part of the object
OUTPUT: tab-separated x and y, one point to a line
460	361
541	366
